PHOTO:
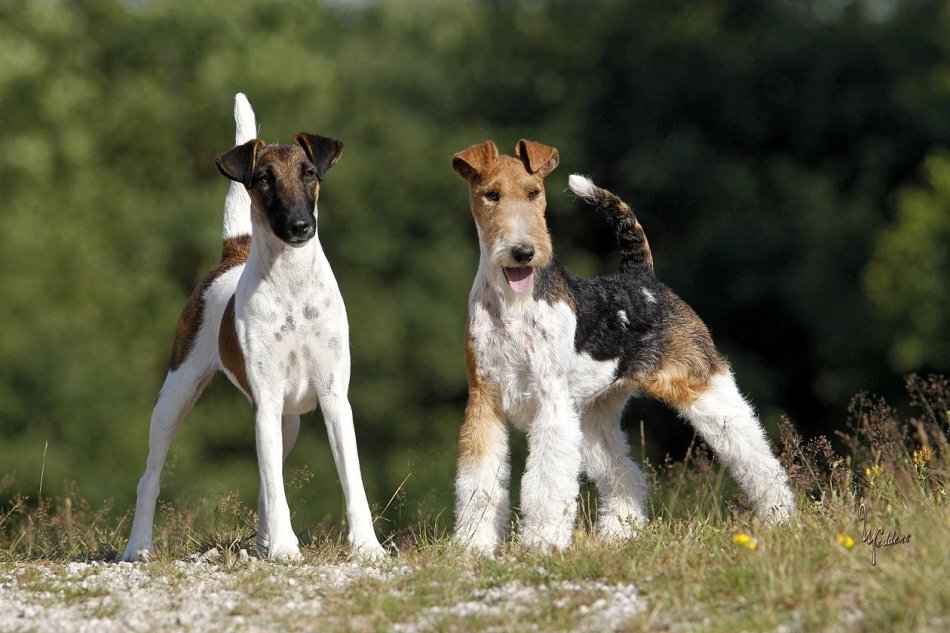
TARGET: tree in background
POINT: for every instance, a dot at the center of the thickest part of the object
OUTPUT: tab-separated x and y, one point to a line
908	273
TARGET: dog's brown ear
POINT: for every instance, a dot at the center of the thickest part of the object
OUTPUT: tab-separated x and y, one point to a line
238	163
537	158
322	151
470	162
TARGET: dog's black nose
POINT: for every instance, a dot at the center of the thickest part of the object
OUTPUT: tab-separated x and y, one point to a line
298	228
523	253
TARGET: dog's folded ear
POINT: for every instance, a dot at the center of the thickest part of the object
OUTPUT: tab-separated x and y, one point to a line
238	163
469	163
322	151
537	157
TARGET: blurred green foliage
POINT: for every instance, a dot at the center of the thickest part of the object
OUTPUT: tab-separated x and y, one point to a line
788	160
907	278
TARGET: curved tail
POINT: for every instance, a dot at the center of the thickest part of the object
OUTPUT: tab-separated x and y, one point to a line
634	248
237	204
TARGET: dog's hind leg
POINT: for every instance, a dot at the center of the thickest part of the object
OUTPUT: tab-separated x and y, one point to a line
726	421
606	461
181	390
290	429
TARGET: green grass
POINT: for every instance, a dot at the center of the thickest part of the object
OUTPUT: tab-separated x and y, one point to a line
685	563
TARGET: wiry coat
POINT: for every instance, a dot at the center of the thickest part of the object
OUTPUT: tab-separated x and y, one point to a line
558	357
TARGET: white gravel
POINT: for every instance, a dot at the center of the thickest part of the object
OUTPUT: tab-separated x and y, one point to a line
184	595
254	595
611	607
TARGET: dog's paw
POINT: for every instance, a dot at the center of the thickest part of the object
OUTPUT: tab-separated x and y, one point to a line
483	545
368	552
478	539
285	554
778	508
137	553
777	514
546	538
614	528
283	550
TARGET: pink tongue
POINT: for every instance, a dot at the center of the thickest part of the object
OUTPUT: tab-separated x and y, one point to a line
519	278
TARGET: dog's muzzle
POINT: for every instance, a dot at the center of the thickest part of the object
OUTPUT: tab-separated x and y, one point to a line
300	229
522	253
296	231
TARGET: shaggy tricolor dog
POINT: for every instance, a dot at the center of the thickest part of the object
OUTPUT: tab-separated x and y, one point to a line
558	357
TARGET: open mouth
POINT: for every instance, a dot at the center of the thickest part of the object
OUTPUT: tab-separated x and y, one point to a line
519	278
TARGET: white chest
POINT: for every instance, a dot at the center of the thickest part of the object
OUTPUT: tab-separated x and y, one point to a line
296	343
527	351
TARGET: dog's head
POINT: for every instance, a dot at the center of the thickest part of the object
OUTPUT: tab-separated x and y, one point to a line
283	181
507	197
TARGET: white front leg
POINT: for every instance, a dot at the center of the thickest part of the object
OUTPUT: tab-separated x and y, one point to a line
549	487
290	431
276	537
338	416
481	485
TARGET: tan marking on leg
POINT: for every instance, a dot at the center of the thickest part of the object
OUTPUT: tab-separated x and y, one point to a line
483	415
689	359
230	350
675	384
234	251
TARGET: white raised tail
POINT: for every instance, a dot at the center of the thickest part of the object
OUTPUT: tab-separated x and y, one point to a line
237	204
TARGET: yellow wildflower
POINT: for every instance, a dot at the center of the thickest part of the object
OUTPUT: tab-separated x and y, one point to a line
845	541
921	458
875	475
745	540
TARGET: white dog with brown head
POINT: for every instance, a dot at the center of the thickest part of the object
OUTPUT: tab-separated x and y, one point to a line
270	315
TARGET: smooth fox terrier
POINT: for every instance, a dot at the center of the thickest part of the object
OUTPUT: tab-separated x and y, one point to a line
559	357
269	315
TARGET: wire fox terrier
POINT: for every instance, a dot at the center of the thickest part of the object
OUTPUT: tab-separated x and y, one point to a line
270	316
558	357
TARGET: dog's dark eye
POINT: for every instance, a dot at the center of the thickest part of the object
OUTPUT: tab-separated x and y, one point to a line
262	179
493	196
309	172
533	194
